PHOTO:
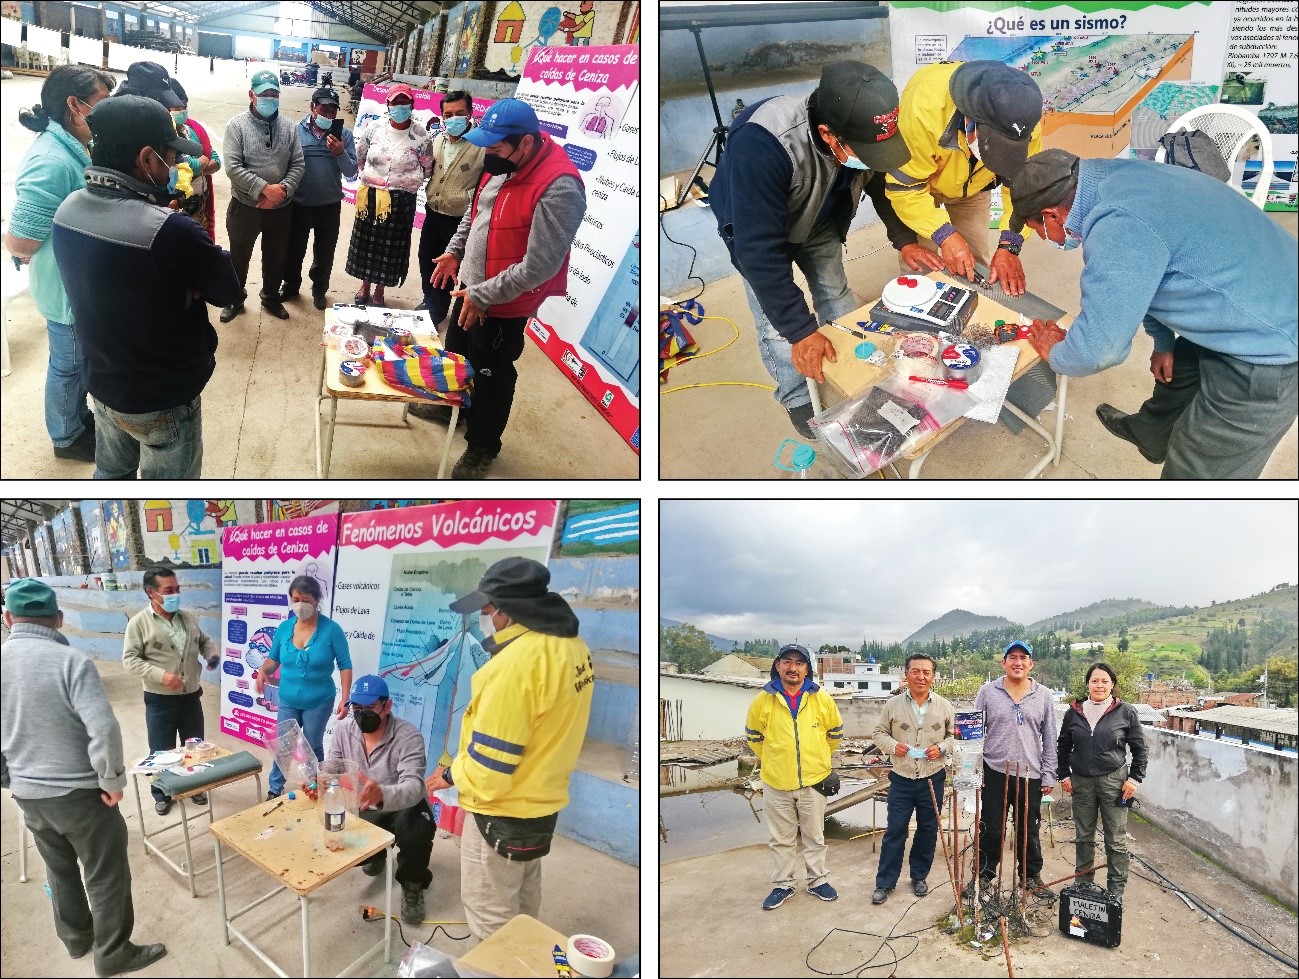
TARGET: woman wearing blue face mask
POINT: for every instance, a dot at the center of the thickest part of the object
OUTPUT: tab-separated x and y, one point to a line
395	157
306	648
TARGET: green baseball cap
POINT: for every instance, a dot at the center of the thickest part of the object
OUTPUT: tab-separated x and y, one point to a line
265	80
31	599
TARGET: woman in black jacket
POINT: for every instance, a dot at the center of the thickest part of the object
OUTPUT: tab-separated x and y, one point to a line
1092	749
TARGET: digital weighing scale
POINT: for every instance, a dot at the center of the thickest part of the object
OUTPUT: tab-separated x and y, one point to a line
912	302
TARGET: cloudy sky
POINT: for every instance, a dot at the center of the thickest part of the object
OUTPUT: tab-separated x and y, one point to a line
838	571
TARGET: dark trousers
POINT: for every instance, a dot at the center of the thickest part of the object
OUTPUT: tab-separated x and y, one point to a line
491	348
243	225
413	828
992	821
433	239
323	219
171	718
908	795
1219	417
75	834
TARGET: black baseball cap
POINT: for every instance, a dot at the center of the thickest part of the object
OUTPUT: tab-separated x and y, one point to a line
135	121
324	96
1006	104
510	579
860	105
150	80
1044	181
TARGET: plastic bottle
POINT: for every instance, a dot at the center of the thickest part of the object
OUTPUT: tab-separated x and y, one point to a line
969	765
335	816
802	462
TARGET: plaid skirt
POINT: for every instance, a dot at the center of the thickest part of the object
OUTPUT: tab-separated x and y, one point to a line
379	252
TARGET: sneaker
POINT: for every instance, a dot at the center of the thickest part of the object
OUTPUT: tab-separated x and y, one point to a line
136	959
230	312
437	413
920	888
374	866
881	895
799	417
200	799
1035	886
162	807
777	897
81	450
1117	896
472	465
319	300
1116	423
273	795
275	308
412	904
824	891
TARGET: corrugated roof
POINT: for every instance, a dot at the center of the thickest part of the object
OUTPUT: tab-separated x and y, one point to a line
1255	718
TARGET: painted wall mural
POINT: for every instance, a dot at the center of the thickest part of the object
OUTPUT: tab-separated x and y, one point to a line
187	533
521	26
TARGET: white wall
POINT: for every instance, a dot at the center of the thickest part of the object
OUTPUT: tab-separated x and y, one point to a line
710	711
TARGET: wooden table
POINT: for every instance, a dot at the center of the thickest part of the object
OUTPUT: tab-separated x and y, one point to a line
186	869
522	947
850	376
374	389
286	841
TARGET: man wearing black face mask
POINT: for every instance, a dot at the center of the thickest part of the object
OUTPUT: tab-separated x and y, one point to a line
514	248
390	754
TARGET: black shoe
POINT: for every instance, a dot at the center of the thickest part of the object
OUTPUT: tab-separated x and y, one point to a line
319	301
472	465
799	418
920	888
200	799
985	885
230	312
1116	423
412	904
82	450
286	293
162	807
374	867
437	413
77	950
422	307
138	958
881	895
1036	887
272	796
275	308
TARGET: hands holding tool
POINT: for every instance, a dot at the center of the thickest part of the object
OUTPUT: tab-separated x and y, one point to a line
1161	365
957	256
808	353
1043	335
1008	270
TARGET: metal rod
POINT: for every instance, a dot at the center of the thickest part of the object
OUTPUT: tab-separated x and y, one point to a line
1001	852
1005	946
974	886
1089	870
947	859
1023	869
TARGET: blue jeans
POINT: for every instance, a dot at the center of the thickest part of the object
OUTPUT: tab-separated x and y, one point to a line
312	720
159	444
907	795
65	387
821	259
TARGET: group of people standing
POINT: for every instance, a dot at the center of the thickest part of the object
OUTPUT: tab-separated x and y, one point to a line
124	289
794	727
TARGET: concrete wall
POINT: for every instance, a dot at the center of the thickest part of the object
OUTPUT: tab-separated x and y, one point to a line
1233	803
710	711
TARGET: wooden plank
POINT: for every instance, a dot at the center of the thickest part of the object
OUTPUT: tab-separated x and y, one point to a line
522	947
294	852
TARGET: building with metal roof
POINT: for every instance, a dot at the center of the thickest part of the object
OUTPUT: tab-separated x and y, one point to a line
1261	727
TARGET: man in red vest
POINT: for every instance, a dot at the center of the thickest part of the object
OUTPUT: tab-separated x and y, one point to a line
509	255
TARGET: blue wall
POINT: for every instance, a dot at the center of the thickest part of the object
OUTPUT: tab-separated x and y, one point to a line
603	815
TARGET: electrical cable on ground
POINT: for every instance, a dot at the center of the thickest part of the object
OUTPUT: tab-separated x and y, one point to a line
690	273
715	384
371	913
885	942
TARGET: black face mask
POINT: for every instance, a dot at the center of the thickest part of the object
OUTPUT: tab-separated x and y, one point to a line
497	165
367	720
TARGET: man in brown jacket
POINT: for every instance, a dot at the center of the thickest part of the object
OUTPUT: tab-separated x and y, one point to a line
163	646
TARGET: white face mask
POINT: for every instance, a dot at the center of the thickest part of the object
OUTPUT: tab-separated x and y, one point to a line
303	610
486	625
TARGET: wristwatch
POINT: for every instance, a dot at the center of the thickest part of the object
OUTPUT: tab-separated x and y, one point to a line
1013	249
446	775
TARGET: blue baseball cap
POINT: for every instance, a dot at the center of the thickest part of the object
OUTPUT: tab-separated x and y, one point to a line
508	117
368	689
1020	644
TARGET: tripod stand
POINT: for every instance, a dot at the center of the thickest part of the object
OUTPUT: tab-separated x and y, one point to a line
718	141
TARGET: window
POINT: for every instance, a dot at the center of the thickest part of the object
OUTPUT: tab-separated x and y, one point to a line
887	685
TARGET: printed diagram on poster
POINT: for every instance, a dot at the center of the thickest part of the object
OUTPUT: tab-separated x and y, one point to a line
187	533
398	572
1260	78
587	99
259	561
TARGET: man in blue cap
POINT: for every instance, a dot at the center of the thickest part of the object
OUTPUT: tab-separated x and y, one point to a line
390	755
508	260
61	757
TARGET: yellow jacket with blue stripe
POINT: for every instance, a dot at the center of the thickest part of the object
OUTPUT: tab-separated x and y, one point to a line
941	162
522	732
794	749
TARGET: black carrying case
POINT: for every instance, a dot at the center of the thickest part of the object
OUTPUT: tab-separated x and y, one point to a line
1090	914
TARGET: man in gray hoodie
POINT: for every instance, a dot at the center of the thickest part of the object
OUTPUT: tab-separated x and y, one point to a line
62	759
265	164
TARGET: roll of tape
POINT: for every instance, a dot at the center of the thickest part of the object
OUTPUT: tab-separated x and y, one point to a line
590	956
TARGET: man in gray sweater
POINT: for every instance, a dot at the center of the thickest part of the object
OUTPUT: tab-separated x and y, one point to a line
264	162
62	759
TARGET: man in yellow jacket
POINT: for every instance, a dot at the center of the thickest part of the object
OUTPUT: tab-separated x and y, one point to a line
794	727
969	126
519	739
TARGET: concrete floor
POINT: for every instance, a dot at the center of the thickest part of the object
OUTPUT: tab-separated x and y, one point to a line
164	911
258	405
700	429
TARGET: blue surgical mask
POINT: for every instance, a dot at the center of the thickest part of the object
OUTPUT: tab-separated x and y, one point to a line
1072	240
849	160
399	113
179	116
457	125
323	123
171	603
267	107
173	175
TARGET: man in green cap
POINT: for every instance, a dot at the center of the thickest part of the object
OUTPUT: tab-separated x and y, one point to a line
265	164
62	759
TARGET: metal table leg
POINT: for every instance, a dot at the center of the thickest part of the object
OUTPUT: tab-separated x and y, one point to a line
451	434
815	393
221	892
189	854
139	810
1061	392
1051	447
306	938
387	900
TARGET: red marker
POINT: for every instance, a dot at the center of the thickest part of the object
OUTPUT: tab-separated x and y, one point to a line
939	382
